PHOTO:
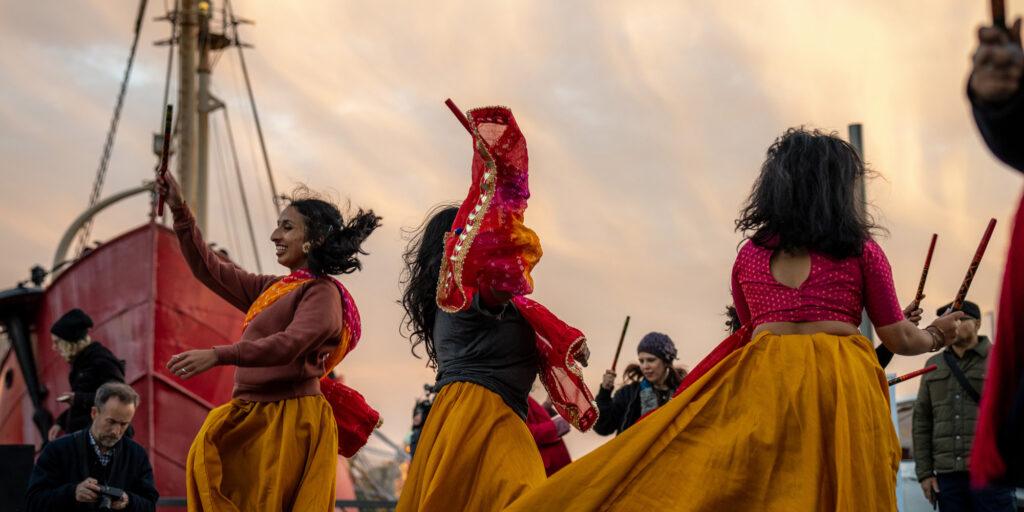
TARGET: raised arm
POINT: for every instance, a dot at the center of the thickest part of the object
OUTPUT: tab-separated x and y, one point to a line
996	94
238	287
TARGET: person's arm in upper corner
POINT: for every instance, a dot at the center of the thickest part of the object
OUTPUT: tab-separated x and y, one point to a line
142	493
317	318
922	429
996	90
238	287
47	491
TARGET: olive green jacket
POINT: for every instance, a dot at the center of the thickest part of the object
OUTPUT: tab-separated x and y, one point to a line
944	414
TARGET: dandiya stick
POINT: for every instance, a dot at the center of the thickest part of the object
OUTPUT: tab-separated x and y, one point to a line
622	338
927	265
961	295
999	14
917	373
459	115
164	152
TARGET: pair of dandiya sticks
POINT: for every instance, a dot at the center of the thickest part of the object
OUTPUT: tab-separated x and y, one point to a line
961	295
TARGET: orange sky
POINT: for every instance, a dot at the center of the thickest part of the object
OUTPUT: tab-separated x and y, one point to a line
646	121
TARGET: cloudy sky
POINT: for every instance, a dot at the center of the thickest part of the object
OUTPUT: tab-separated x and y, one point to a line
646	122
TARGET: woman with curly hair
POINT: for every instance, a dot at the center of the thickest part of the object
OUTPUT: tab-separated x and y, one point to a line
467	274
791	412
274	446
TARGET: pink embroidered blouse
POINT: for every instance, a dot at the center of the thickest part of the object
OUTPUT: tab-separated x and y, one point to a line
834	290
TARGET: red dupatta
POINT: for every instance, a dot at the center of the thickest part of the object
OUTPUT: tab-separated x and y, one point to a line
490	249
355	418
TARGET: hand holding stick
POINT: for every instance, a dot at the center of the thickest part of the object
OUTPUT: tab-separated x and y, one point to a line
621	339
164	152
917	373
961	295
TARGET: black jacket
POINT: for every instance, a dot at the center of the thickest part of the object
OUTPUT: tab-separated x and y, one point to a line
619	411
64	463
1002	127
93	367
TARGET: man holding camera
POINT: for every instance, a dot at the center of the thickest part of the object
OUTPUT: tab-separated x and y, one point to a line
96	468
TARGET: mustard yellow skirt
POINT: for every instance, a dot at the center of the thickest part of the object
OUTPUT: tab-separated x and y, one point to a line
252	456
787	423
474	454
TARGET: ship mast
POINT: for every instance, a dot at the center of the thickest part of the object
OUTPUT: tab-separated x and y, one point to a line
188	154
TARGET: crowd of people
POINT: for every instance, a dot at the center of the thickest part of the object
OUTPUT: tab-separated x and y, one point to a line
790	412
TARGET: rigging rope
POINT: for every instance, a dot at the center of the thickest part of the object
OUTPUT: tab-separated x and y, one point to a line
252	103
241	187
108	145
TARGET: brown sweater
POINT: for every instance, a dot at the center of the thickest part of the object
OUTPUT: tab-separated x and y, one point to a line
282	350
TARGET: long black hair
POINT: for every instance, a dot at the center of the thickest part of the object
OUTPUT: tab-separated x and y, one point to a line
422	259
335	244
807	196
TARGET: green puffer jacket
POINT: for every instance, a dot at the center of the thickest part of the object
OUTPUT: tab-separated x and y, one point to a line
944	414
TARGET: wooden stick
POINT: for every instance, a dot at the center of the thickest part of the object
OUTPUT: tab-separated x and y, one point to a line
459	115
924	273
622	338
164	153
999	14
961	295
917	373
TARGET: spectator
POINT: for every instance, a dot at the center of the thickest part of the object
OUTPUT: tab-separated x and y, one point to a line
648	385
92	365
73	472
548	428
944	417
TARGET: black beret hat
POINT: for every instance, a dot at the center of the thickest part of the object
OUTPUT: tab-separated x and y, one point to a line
73	326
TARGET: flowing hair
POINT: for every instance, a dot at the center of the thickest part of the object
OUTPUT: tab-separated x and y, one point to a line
422	258
335	243
807	197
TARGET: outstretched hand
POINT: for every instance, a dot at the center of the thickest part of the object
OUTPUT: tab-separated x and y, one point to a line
190	363
998	64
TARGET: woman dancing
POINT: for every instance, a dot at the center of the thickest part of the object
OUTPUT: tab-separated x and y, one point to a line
467	271
795	417
274	445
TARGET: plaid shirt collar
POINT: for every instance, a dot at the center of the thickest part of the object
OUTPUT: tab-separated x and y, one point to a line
104	458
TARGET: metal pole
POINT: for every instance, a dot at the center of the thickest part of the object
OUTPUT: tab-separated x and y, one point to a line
187	151
857	141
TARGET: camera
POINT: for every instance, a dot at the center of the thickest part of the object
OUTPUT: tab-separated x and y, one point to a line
108	495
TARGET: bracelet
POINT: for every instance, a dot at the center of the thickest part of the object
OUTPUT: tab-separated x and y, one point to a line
937	338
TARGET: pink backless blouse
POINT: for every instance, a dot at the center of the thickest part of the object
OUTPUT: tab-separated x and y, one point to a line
835	289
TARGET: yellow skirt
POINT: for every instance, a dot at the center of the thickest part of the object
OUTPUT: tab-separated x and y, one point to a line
474	454
265	456
788	423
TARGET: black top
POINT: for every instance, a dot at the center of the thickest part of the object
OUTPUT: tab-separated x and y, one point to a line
67	461
1002	127
494	350
91	368
622	410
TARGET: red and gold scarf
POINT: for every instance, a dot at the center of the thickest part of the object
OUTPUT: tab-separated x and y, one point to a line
356	419
489	248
